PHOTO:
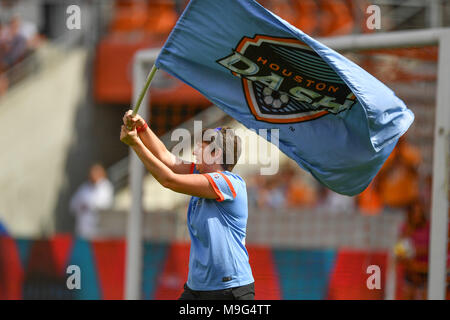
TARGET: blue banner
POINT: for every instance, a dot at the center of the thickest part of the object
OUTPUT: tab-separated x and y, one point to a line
335	119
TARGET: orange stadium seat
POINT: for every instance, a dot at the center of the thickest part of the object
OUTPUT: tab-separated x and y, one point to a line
129	16
113	66
369	201
307	13
283	8
185	95
113	73
137	24
399	182
161	17
336	19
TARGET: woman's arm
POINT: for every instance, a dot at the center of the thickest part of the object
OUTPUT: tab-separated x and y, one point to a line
191	184
156	146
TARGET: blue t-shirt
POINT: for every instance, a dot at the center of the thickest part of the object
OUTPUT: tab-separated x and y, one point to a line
3	231
218	258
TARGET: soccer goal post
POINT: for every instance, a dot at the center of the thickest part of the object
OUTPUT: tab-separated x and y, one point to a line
440	37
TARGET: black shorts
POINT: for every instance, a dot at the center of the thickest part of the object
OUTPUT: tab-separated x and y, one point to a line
246	292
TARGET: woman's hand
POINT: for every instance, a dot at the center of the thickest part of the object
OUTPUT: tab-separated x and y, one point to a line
129	137
133	121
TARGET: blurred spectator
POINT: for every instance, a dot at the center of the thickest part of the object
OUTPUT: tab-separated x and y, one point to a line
412	252
426	191
3	43
273	194
17	39
287	190
369	201
395	187
254	184
14	44
29	31
398	180
4	83
336	203
3	231
94	195
397	184
299	193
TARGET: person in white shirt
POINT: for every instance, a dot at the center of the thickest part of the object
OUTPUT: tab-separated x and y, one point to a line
336	203
92	196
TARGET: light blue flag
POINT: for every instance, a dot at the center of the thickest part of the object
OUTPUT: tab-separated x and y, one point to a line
336	120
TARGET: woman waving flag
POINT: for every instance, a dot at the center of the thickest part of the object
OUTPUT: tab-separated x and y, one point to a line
217	215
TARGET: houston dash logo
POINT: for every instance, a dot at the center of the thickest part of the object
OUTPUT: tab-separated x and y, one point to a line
285	81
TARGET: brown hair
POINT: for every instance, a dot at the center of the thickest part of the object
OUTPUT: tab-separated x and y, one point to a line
224	138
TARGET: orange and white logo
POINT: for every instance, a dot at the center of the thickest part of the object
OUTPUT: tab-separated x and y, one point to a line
285	81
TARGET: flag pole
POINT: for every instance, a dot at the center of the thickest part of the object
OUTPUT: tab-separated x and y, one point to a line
134	264
150	77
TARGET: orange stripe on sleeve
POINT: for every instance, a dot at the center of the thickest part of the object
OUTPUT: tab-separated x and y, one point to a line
229	184
192	167
219	194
